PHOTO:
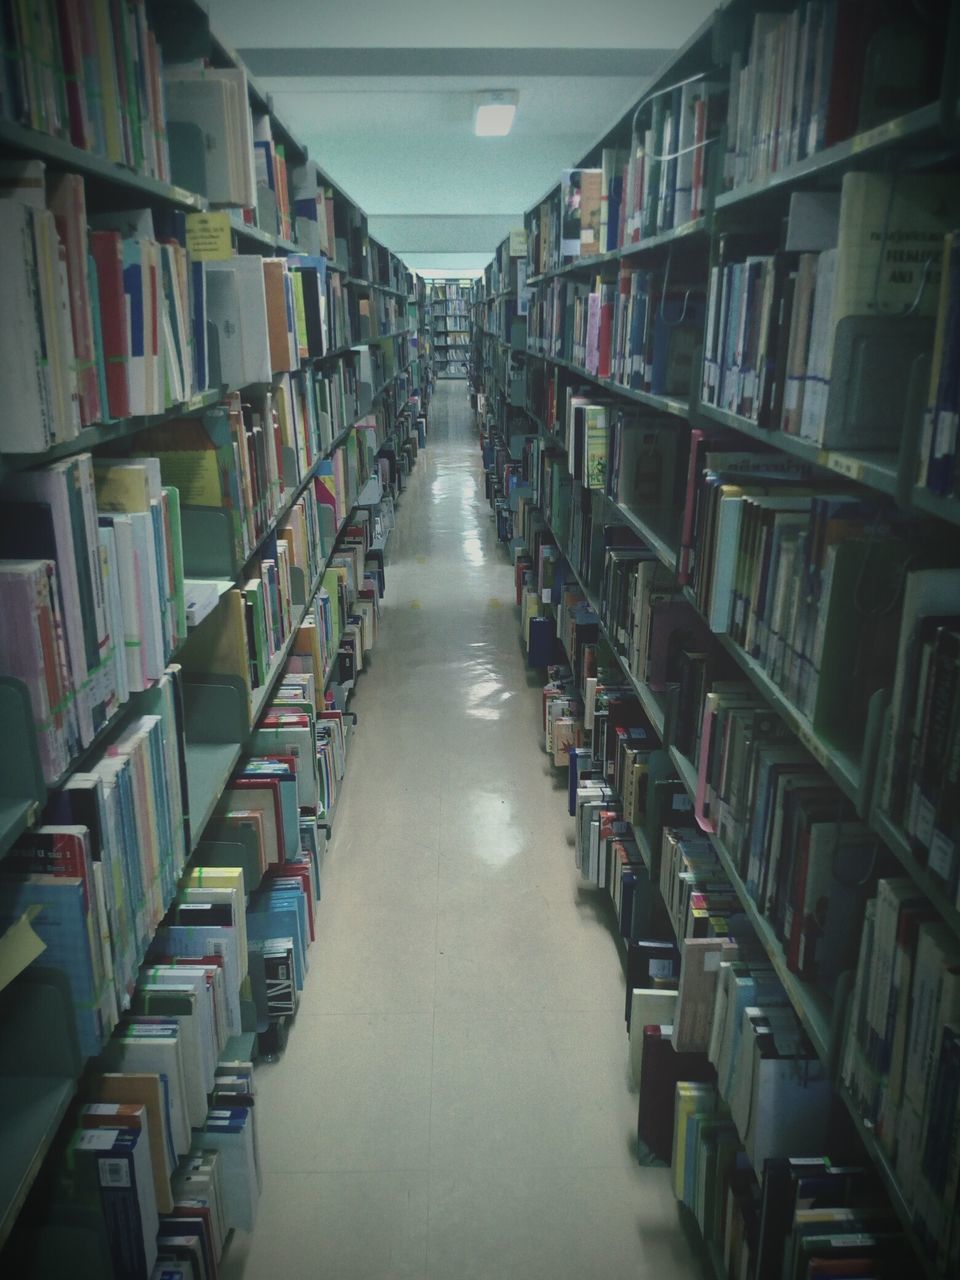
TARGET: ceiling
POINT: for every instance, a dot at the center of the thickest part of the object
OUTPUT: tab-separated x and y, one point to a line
382	94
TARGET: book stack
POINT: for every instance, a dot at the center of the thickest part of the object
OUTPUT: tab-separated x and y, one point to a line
207	102
313	209
96	596
900	1060
102	870
817	75
775	320
118	311
634	332
662	180
786	617
92	76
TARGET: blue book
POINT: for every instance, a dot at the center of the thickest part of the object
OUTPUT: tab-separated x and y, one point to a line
62	925
275	921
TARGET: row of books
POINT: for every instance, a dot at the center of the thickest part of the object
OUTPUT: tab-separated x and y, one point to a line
381	314
776	565
109	1181
716	1049
122	312
448	291
822	72
171	1103
91	75
775	321
664	178
102	324
97	877
811	1217
254	620
635	331
97	79
655	184
97	590
785	589
93	588
900	1060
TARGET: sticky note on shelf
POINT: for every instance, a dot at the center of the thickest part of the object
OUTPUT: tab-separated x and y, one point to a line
208	237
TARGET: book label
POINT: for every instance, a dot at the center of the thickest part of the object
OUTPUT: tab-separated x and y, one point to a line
208	237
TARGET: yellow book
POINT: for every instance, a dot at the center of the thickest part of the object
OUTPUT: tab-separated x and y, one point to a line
691	1099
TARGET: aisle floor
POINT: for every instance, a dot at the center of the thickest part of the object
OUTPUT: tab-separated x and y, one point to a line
454	1100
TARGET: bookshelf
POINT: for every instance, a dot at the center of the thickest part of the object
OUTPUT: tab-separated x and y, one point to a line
450	330
639	262
284	353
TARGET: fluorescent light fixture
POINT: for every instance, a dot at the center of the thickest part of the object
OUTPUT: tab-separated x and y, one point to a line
493	113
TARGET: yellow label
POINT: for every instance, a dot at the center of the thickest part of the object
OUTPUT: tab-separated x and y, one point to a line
208	237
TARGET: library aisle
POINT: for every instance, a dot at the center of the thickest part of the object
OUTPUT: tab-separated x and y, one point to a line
454	1100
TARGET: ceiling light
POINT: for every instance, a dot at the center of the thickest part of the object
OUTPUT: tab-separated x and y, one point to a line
493	113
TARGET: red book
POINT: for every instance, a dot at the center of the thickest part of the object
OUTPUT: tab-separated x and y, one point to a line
107	252
71	50
853	26
699	135
262	793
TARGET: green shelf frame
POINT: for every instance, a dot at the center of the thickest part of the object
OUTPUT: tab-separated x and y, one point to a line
674	405
687	231
910	130
39	1069
874	470
60	154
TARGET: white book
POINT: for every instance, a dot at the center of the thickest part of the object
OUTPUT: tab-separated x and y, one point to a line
193	978
111	571
230	1132
725	548
649	1006
191	1043
157	1050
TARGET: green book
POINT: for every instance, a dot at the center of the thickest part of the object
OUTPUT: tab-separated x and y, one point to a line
172	496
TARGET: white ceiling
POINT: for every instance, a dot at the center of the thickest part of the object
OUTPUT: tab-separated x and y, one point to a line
402	144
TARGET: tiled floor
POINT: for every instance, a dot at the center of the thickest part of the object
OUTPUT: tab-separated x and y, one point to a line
454	1102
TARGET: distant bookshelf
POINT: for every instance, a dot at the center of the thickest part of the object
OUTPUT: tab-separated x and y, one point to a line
449	322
